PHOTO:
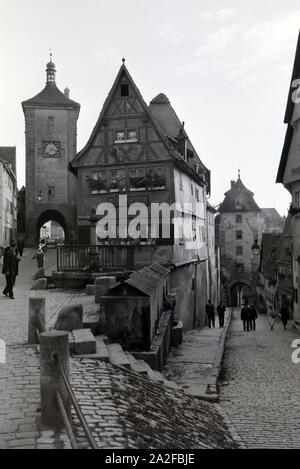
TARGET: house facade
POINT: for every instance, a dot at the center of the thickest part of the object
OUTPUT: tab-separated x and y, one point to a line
141	183
289	175
8	198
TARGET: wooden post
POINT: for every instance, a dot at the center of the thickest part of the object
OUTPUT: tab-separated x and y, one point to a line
36	319
53	344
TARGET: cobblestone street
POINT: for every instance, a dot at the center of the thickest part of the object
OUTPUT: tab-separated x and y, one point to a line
261	395
20	425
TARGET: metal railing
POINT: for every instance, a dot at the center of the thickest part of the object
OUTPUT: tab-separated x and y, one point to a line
77	409
73	400
95	258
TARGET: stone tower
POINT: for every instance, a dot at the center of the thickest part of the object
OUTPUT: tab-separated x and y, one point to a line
50	134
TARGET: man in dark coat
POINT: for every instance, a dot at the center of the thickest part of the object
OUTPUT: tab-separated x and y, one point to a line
221	313
244	317
253	316
210	311
10	269
20	246
284	315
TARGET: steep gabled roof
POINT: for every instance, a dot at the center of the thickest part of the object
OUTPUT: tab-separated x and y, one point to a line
238	193
162	111
288	116
156	124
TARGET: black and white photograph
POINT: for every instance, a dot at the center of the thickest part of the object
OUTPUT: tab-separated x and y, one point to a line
150	227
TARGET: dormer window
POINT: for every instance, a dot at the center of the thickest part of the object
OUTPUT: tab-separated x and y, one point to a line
124	90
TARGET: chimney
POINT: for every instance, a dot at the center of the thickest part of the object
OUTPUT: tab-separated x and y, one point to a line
232	184
67	92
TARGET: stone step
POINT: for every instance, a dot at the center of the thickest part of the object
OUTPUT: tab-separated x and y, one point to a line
117	355
101	351
91	323
153	375
136	365
85	342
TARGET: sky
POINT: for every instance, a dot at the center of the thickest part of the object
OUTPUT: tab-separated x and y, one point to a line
224	65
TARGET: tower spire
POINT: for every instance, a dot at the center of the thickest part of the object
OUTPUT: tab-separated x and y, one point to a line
50	70
239	174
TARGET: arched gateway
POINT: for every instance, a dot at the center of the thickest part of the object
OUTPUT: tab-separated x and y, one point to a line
51	215
240	292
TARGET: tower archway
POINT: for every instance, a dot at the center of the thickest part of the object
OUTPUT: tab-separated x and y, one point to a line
240	292
51	224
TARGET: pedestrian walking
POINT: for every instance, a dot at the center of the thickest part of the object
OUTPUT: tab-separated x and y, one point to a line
210	311
274	316
244	317
40	254
284	312
221	313
10	268
20	246
253	317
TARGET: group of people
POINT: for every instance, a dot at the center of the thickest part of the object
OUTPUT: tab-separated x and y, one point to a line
210	311
249	316
282	315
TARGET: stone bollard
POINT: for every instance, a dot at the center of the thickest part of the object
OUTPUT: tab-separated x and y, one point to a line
102	285
51	343
36	319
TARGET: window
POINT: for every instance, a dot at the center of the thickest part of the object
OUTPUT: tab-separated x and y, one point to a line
239	250
197	195
98	182
117	180
124	90
131	135
137	179
192	189
238	219
51	192
180	182
120	136
238	235
297	199
156	178
239	268
238	204
51	123
126	136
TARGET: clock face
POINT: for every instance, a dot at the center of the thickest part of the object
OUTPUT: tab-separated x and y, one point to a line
51	149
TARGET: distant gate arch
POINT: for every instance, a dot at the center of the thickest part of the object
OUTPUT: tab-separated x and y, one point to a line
47	216
238	292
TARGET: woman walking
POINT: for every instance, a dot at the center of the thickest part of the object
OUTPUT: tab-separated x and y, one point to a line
273	317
